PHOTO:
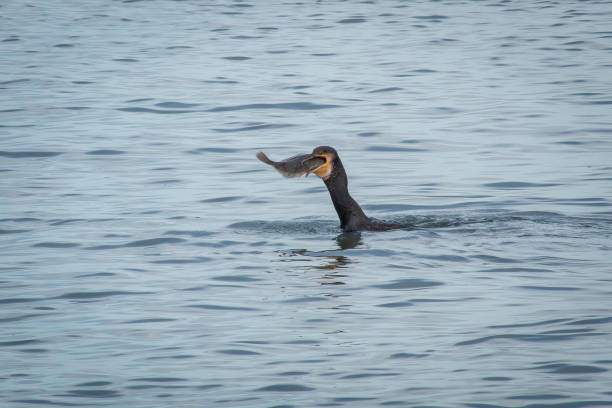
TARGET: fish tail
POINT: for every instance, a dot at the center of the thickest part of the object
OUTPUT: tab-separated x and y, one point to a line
261	156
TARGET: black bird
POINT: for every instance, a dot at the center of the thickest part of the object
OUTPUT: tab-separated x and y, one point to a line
326	164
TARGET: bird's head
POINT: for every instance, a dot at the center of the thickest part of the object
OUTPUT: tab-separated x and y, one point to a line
331	159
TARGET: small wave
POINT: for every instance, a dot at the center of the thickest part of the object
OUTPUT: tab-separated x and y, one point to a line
391	89
212	150
367	375
167	181
159	111
599	320
236	278
62	222
434	17
409	284
176	105
396	304
562	368
223	307
19	318
542	323
352	20
19	300
510	270
407	355
237	58
200	259
194	234
19	342
541	397
94	384
15	231
495	259
526	337
381	148
15	81
307	299
548	288
41	401
97	274
22	155
105	152
238	352
158	379
288	105
92	394
139	100
288	227
102	294
511	185
221	199
77	108
254	127
141	243
151	320
55	245
285	388
221	81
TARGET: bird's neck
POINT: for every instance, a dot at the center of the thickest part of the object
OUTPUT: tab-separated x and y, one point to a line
350	213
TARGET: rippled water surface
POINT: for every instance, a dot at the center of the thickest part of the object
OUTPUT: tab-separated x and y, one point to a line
149	260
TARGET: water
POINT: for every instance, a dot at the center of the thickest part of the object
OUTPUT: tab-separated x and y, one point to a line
149	260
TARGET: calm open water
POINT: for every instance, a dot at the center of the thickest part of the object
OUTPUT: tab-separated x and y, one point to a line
149	260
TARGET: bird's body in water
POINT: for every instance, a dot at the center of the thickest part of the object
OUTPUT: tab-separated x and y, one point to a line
326	164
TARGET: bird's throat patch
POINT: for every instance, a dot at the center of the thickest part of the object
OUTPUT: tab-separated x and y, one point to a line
325	170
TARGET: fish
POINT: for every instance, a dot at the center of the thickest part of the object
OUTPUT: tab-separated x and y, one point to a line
294	166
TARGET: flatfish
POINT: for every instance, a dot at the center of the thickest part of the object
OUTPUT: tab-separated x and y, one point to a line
294	166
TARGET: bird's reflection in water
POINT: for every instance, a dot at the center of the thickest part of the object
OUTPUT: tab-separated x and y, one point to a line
349	240
334	259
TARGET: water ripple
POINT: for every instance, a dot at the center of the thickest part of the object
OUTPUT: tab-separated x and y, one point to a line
194	234
158	111
23	155
285	388
91	393
525	337
19	342
223	307
288	105
56	245
409	284
140	243
562	368
254	127
511	185
41	401
105	152
238	352
100	294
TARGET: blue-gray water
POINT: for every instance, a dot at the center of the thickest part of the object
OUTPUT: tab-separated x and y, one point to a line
149	260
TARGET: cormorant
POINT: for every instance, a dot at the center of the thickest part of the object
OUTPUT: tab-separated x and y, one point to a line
326	164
